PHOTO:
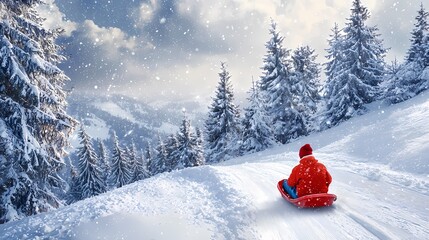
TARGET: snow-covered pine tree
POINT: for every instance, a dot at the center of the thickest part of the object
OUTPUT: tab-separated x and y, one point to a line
104	161
141	169
276	90
189	152
171	148
222	127
412	77
89	176
158	163
418	42
426	51
306	86
34	126
200	137
360	71
120	174
200	141
333	66
393	68
73	193
138	169
257	132
133	160
148	157
276	62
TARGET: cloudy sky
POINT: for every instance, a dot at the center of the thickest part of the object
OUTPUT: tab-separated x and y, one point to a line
170	50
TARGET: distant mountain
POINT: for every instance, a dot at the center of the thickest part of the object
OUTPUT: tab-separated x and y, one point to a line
130	118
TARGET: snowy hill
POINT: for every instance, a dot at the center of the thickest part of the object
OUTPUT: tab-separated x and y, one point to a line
380	168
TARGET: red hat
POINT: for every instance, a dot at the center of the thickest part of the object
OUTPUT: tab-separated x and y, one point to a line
305	150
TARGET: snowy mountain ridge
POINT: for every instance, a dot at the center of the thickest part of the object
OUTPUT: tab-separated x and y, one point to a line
380	168
132	119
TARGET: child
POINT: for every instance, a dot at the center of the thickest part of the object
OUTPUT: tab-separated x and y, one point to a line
308	177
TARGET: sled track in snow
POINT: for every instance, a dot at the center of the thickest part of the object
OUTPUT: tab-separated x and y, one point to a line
358	213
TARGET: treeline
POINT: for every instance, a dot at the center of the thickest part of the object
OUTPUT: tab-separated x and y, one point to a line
100	169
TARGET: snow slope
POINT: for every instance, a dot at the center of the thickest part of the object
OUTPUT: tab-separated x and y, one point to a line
379	163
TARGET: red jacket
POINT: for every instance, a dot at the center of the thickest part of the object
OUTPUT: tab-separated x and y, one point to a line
309	177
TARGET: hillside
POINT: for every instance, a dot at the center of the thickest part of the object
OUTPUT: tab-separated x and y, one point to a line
380	168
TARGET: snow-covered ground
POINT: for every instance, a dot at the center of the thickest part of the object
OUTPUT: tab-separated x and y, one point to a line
380	168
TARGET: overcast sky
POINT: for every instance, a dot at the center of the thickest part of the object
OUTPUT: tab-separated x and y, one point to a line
171	50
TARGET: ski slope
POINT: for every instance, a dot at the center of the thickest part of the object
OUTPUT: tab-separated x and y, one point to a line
380	168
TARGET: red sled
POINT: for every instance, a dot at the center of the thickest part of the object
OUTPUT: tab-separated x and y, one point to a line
308	201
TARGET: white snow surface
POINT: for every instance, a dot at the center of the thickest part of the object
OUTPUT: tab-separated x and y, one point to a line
379	164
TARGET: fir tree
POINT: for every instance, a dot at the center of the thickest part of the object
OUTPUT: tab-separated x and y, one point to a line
419	44
333	66
104	162
171	148
277	93
306	83
130	162
357	78
34	123
190	153
200	141
200	137
74	193
89	177
148	157
257	132
158	163
221	126
134	163
141	171
393	68
412	77
120	170
276	62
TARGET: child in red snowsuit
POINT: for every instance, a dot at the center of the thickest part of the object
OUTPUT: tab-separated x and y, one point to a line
308	177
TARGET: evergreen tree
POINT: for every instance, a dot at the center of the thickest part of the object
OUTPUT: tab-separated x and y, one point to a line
413	76
148	158
277	93
393	68
276	62
158	163
221	126
419	44
171	147
200	141
89	177
190	153
426	52
360	71
34	125
257	131
74	193
306	83
120	170
200	137
134	163
141	171
104	162
333	66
